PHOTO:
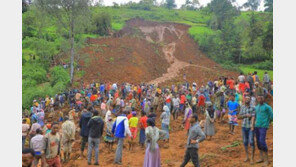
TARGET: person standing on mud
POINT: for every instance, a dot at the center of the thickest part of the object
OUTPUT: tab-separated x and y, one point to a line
143	126
68	137
165	121
195	136
176	106
210	118
264	116
25	130
247	113
36	144
152	154
233	108
96	128
84	130
52	147
120	129
187	115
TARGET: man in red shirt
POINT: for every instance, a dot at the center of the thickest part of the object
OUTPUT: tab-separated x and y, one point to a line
182	102
93	98
139	92
230	83
201	103
143	126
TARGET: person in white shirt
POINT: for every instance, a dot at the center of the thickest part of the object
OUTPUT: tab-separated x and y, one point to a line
37	145
25	130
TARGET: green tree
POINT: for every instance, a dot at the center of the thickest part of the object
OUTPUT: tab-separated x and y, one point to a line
170	4
268	5
252	4
223	11
25	6
59	74
231	43
72	15
268	38
190	4
255	29
102	23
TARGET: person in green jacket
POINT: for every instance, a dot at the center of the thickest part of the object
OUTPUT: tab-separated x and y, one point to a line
263	118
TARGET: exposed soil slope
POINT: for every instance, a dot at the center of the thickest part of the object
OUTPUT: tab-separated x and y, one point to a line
146	51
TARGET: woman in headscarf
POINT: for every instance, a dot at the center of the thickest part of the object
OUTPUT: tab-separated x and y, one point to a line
210	118
152	154
165	121
188	113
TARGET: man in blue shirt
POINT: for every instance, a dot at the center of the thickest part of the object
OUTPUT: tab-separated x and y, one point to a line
233	108
264	116
120	129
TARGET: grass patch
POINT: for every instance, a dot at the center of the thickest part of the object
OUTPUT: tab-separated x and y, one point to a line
246	69
198	31
117	26
234	144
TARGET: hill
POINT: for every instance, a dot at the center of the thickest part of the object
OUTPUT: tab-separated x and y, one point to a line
147	51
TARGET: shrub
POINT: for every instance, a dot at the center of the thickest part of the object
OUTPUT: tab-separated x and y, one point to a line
35	72
102	23
231	66
28	83
140	6
59	87
59	74
265	65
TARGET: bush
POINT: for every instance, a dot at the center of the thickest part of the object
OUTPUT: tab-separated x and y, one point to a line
31	93
34	72
28	83
102	23
231	66
266	65
59	74
140	6
59	87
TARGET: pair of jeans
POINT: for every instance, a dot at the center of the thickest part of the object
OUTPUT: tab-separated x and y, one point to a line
175	111
118	154
248	137
261	138
23	141
194	108
191	153
93	143
83	142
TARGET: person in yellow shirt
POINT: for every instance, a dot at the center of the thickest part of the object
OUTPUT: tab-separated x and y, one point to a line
47	101
133	124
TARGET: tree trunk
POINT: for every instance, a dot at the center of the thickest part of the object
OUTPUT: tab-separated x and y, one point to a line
72	59
72	52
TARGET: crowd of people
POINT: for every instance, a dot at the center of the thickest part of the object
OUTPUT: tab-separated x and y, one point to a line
113	113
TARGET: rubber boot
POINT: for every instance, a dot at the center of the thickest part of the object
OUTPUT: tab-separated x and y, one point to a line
266	162
232	130
68	157
252	156
65	157
261	157
247	154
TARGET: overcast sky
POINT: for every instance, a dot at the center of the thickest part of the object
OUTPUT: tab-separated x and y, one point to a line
178	2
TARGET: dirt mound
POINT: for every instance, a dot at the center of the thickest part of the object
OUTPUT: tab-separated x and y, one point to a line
147	51
124	59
